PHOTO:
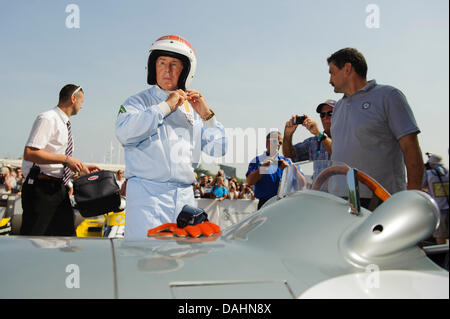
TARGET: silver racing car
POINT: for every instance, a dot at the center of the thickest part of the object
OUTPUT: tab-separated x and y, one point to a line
312	240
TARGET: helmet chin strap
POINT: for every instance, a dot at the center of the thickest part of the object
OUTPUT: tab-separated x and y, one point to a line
166	91
186	104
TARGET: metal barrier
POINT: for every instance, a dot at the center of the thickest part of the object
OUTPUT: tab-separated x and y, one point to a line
223	213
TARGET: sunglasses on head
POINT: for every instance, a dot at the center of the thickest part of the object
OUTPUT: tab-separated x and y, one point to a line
329	113
76	91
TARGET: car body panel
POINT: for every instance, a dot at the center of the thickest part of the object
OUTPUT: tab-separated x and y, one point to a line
302	244
43	267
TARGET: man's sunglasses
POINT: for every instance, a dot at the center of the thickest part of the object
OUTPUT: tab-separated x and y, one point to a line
329	113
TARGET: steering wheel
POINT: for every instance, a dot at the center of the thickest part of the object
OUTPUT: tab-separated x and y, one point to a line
378	190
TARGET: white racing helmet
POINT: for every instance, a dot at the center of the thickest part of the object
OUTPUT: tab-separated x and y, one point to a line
176	47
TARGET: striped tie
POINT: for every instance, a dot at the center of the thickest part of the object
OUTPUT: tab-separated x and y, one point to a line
69	150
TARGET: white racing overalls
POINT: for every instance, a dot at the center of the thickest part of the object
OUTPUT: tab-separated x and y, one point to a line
162	148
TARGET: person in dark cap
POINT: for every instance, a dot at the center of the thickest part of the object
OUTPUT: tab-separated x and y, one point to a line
315	147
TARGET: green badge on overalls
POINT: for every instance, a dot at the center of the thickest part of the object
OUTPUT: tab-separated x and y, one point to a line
122	109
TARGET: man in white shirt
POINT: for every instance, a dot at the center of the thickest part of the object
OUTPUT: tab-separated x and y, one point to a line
119	178
163	131
47	166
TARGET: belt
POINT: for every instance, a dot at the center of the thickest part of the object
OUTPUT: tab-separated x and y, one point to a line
49	178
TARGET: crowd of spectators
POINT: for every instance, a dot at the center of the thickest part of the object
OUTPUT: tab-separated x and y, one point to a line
221	187
217	186
11	179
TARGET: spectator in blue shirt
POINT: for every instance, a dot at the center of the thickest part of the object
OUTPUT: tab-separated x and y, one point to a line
265	171
219	191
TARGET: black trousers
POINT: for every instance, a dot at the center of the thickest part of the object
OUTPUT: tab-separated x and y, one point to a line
370	203
46	209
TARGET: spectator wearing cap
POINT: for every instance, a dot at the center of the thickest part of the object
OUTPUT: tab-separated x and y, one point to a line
435	182
315	147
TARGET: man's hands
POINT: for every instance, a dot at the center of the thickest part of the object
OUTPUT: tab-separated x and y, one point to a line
199	104
176	99
92	168
77	166
280	163
290	127
40	156
289	130
309	124
195	98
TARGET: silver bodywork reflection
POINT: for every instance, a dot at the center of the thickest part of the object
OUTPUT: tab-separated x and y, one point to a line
302	243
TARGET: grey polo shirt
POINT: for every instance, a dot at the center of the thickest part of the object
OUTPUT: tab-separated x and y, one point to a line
366	128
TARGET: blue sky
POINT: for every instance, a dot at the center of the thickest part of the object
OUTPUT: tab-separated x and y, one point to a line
259	62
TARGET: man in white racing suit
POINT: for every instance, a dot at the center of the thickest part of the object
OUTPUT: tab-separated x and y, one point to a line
163	131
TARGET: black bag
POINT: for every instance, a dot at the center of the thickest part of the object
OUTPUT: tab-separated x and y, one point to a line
96	193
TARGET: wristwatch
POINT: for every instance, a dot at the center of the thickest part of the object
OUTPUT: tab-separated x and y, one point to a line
209	116
322	136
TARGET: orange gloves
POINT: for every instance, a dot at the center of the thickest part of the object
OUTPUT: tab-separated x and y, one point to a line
205	229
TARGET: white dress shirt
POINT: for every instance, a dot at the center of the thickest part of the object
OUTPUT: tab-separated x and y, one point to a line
49	133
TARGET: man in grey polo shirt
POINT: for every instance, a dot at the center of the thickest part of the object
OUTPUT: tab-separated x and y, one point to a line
373	126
